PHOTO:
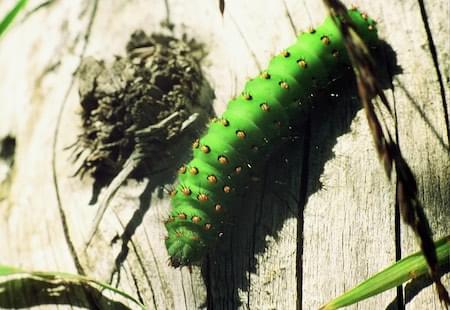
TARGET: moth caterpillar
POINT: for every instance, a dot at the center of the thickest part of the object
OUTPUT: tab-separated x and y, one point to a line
250	128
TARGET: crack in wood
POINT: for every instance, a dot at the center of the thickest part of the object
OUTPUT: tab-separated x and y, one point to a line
435	59
62	214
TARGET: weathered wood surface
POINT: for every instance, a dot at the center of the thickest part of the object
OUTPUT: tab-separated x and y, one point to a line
319	222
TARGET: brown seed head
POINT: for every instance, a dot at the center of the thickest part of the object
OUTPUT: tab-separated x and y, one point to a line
207	226
226	189
225	122
193	170
182	216
196	219
218	208
238	169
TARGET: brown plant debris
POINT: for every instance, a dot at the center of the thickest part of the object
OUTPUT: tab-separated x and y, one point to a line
121	101
136	108
387	148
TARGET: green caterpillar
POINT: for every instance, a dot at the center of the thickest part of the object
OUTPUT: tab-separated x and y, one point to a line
250	128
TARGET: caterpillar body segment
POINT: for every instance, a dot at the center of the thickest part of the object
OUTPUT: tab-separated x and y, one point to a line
251	128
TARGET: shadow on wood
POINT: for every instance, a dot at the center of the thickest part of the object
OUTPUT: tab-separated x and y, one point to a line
17	293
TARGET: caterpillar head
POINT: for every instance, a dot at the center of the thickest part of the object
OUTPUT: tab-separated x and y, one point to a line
185	246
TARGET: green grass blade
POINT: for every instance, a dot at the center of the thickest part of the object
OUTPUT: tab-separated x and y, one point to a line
405	269
65	277
8	270
6	21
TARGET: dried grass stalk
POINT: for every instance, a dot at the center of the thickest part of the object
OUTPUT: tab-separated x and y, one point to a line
388	150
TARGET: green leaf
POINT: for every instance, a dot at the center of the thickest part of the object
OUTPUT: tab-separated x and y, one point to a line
65	277
405	269
8	270
7	20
